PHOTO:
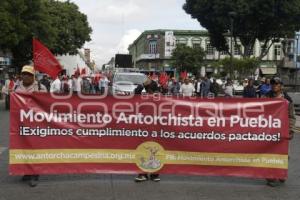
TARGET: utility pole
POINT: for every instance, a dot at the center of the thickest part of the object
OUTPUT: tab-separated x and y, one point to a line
297	52
232	15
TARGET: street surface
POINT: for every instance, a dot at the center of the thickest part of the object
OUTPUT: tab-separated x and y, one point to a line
122	187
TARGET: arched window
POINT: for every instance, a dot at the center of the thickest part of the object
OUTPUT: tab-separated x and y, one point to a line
196	42
153	46
181	41
210	50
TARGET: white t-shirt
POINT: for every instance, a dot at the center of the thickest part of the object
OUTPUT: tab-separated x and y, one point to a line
78	84
187	90
70	83
228	90
55	86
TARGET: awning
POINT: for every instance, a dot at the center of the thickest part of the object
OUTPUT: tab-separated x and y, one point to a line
269	70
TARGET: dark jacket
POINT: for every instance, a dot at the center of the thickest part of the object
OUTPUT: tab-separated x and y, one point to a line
249	92
292	117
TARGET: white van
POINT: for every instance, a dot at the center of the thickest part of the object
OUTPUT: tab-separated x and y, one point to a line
124	83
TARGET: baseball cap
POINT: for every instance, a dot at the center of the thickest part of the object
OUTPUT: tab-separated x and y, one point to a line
276	80
28	69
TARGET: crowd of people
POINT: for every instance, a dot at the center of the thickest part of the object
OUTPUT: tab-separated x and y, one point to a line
184	86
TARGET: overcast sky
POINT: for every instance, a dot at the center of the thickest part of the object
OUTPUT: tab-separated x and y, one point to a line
117	23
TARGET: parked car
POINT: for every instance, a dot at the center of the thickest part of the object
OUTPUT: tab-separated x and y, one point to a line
238	88
124	83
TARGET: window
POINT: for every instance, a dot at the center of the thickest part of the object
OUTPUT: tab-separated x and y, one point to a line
262	49
196	43
210	49
223	53
237	49
277	50
4	61
289	47
153	47
181	41
251	51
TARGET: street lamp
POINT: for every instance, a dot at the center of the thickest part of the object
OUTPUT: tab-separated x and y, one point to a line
232	15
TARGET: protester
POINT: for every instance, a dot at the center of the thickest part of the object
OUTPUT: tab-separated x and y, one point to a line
265	88
262	81
65	87
198	87
175	87
205	87
228	88
103	85
29	85
70	83
277	92
187	89
151	87
85	85
76	84
46	82
249	90
56	85
9	86
215	88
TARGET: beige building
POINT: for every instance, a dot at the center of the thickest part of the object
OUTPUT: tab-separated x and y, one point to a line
152	50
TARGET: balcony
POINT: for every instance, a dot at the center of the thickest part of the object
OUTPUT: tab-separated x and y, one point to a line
148	57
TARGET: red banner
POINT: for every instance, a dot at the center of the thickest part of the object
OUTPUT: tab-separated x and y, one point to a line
87	134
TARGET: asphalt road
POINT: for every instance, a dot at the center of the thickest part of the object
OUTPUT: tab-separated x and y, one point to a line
122	187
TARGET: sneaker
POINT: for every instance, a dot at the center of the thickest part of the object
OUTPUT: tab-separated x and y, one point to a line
34	179
155	177
25	178
141	178
273	182
282	180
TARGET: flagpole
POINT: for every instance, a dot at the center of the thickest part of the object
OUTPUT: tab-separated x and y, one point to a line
33	50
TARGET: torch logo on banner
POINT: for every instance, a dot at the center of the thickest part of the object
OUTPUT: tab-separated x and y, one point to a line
150	156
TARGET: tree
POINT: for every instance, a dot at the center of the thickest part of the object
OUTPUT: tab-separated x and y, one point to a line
59	25
71	28
263	20
187	58
244	67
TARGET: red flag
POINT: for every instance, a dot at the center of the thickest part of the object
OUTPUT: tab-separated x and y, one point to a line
83	71
77	71
183	75
44	60
163	79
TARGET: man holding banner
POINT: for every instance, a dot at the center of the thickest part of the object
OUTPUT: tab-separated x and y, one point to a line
29	85
45	62
277	92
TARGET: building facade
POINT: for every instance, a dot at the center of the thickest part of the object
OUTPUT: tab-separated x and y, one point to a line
5	64
152	50
71	62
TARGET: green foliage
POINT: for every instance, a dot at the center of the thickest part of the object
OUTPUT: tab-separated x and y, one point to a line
245	67
187	58
59	25
263	20
71	29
